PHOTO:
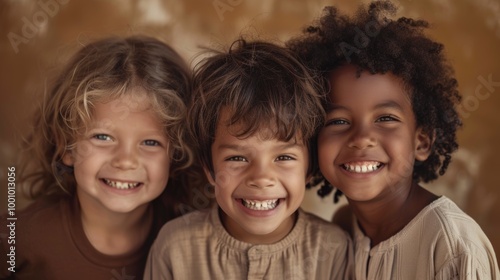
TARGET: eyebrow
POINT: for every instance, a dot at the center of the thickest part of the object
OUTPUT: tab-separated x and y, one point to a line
332	107
386	104
389	104
234	147
230	147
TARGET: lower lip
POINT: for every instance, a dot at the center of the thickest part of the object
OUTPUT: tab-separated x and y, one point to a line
258	213
121	191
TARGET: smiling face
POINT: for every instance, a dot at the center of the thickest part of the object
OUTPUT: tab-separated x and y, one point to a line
369	143
121	162
259	183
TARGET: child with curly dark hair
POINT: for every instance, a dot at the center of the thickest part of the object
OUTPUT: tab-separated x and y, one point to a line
391	123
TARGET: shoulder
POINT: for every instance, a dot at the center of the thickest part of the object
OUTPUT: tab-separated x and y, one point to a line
316	228
186	228
458	238
39	212
37	227
452	221
315	223
326	241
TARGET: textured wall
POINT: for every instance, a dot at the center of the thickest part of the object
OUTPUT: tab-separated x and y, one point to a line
36	38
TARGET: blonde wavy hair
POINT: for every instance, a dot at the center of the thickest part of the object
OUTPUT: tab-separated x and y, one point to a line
105	70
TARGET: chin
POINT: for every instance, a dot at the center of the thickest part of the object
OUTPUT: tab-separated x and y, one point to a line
124	209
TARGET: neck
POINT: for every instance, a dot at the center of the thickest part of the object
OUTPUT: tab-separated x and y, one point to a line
239	233
381	219
114	233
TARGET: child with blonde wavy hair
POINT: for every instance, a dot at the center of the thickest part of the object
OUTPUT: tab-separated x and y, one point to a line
105	149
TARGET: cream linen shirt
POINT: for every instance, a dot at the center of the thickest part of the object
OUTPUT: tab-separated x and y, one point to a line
441	242
196	246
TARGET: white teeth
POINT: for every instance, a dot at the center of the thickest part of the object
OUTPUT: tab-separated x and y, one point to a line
260	205
362	168
121	185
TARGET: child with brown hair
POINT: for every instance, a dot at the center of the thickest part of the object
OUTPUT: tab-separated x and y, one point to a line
391	123
105	154
253	111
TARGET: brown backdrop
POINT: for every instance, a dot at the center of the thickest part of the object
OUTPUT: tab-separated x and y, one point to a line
36	37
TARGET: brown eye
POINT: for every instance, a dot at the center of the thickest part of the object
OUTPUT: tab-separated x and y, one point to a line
284	157
236	158
336	122
387	118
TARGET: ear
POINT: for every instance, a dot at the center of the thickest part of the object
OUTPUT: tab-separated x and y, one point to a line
211	179
309	177
68	158
423	145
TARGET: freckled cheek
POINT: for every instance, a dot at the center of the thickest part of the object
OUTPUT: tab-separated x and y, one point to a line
161	158
228	173
227	178
226	181
85	151
159	164
224	188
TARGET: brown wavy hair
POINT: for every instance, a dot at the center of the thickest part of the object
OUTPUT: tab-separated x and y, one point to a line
262	86
104	70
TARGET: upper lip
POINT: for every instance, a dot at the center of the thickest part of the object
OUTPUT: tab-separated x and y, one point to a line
121	180
361	162
361	165
260	198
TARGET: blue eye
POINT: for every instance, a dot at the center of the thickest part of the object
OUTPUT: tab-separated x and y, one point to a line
150	142
102	137
236	158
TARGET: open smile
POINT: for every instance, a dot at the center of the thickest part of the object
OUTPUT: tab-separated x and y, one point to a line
121	185
260	205
362	167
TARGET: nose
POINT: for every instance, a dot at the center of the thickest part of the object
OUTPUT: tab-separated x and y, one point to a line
125	157
261	175
362	137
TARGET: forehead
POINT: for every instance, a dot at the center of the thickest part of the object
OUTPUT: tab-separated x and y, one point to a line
266	130
133	99
125	110
347	86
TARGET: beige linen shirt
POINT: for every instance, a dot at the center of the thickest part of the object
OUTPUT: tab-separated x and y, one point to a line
196	246
441	242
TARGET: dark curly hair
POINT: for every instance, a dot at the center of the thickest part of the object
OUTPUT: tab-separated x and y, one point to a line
374	42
